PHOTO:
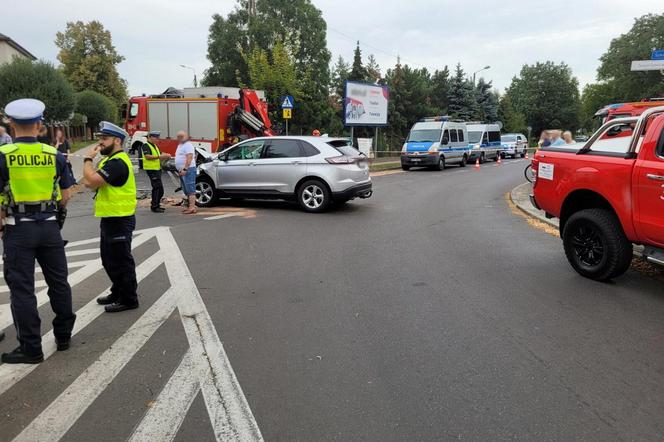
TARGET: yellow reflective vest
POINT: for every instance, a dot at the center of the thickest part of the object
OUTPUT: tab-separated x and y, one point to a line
151	164
33	174
115	201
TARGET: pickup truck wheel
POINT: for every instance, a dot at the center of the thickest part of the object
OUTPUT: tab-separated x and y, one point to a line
596	245
206	194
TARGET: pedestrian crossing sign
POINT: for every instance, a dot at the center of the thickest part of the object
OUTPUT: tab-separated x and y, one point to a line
288	114
287	102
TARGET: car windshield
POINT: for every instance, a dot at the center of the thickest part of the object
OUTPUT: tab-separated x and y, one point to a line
474	137
508	138
421	135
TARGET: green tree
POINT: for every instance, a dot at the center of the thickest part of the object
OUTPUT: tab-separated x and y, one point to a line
358	72
95	107
26	79
548	95
275	74
89	60
373	70
461	97
637	44
594	97
487	102
512	120
300	26
340	74
440	89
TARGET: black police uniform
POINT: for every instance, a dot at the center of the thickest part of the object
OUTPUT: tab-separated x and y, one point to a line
115	244
35	235
155	181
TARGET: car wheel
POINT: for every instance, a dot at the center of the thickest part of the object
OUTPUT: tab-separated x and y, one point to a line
440	165
206	194
596	245
403	167
464	161
497	157
482	158
313	196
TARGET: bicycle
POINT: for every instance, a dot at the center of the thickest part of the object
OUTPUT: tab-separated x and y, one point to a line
529	173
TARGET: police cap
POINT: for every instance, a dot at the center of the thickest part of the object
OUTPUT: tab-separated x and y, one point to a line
110	129
25	110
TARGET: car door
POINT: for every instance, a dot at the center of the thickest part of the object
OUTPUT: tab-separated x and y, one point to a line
236	170
452	153
649	188
282	165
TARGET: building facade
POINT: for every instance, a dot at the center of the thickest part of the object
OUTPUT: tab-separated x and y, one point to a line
10	49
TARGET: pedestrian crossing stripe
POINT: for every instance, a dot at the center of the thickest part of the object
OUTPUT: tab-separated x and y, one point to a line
204	367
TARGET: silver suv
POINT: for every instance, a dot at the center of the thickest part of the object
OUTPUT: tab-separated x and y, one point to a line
314	171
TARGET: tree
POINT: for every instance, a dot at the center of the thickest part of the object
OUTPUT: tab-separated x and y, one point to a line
461	96
487	102
512	120
594	97
89	60
440	89
300	26
373	70
646	34
95	107
548	95
274	73
340	75
358	72
26	79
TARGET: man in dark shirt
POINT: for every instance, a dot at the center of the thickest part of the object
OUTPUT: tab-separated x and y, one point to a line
115	204
30	231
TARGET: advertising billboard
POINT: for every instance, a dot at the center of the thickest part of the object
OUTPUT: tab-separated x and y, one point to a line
365	104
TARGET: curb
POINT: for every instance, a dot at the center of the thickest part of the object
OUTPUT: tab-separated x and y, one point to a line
527	208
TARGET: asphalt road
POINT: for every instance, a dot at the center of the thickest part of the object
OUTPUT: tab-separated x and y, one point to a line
429	312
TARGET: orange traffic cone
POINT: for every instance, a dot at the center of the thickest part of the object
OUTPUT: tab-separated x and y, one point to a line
527	155
477	164
500	160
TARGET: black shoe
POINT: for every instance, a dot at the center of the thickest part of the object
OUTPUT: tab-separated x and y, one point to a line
117	307
106	300
158	210
18	356
63	345
2	335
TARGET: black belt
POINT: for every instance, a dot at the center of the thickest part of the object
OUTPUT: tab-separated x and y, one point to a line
31	209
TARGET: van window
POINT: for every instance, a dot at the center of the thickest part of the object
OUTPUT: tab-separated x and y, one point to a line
283	149
494	137
454	138
446	134
460	132
485	138
474	137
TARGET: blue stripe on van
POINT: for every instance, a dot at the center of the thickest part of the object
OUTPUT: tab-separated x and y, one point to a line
418	146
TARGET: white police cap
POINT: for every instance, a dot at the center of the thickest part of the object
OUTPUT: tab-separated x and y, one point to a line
106	128
25	110
154	133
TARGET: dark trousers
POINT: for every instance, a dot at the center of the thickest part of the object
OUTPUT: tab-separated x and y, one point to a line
23	243
116	257
157	187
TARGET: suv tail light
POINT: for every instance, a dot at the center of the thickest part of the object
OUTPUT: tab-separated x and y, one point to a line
343	159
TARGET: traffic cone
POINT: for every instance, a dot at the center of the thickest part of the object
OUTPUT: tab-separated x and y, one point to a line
527	155
500	160
477	164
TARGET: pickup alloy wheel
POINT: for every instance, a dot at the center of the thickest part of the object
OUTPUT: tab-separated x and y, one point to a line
596	245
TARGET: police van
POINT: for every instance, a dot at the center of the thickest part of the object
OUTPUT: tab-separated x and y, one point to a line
484	141
436	142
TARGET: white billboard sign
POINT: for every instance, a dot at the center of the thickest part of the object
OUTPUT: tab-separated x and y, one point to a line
648	65
365	104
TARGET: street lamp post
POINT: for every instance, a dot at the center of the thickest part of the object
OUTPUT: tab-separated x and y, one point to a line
477	72
193	70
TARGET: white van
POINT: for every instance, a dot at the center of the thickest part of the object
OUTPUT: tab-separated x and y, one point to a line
484	141
436	142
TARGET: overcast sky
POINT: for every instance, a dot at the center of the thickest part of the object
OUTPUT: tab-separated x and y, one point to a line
156	36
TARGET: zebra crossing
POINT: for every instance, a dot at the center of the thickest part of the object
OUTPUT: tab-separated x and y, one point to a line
203	369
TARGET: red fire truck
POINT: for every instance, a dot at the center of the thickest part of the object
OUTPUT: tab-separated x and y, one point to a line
212	116
620	110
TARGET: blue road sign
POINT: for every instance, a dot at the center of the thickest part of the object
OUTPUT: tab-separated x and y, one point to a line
287	102
657	54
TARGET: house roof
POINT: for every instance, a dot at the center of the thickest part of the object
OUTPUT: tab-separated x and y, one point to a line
16	46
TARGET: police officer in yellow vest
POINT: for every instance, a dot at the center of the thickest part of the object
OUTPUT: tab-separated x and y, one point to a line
115	204
152	157
34	181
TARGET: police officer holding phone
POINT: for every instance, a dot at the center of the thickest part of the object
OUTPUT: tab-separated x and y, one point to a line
115	204
35	183
152	157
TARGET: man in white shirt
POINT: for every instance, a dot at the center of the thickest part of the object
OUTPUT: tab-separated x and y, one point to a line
186	165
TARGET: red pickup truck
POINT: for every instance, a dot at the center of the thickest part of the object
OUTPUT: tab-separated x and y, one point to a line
608	194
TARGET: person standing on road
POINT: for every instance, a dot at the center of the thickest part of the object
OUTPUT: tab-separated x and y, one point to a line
186	166
152	157
35	182
4	136
115	204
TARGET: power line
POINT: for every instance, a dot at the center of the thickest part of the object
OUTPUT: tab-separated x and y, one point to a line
363	43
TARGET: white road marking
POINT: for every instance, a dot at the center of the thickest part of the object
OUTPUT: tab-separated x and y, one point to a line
230	415
11	374
82	243
64	411
70	253
226	215
163	420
